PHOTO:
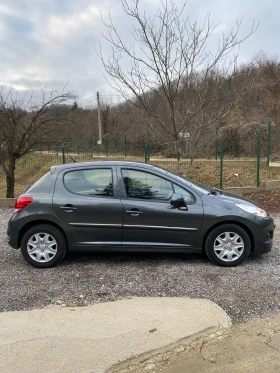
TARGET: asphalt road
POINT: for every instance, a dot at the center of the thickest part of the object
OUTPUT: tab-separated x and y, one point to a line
249	290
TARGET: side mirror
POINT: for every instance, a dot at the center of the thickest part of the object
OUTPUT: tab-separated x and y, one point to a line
178	201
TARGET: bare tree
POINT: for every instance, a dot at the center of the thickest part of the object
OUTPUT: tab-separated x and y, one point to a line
24	125
173	61
269	81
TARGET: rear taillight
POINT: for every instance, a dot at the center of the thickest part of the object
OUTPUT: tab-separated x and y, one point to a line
22	202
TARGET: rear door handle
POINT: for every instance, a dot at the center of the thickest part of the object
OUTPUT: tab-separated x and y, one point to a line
134	212
68	208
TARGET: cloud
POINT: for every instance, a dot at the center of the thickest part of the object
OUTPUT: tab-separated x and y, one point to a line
50	51
48	43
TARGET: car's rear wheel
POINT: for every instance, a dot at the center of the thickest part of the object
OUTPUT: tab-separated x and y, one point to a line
227	245
43	246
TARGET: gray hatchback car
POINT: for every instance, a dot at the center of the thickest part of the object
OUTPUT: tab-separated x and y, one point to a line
128	206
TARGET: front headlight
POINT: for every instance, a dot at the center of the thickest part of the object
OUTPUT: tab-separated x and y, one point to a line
252	209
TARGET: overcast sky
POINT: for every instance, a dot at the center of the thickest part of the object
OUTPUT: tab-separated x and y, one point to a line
52	42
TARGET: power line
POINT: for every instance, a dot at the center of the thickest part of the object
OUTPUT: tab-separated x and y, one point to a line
87	99
117	95
116	99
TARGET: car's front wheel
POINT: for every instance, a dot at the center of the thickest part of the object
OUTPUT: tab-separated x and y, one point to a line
43	246
227	245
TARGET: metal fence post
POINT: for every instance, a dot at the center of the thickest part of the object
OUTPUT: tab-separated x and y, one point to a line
107	146
221	162
146	153
125	145
149	145
91	146
217	133
268	141
63	153
258	157
78	149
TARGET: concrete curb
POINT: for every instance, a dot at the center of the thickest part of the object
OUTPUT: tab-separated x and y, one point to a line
7	202
268	185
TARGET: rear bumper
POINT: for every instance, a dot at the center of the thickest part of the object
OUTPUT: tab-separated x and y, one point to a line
15	224
13	244
12	238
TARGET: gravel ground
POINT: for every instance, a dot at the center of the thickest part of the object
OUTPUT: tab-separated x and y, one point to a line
249	290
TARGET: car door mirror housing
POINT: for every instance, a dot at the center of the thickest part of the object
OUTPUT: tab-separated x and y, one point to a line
177	200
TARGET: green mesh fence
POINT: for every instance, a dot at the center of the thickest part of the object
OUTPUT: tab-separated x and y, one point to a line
241	163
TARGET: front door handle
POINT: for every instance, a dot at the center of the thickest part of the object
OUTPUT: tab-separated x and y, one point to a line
134	212
68	208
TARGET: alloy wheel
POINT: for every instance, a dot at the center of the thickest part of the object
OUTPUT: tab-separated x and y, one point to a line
228	246
42	247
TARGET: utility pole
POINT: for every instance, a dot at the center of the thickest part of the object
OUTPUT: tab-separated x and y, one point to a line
99	142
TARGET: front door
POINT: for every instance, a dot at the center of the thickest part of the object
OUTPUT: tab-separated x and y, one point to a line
149	219
87	201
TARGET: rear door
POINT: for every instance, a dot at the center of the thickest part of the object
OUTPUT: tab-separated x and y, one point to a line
88	201
149	219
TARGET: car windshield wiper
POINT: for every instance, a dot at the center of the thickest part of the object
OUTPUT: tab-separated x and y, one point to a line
216	192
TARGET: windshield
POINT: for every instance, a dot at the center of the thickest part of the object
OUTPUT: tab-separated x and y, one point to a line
198	187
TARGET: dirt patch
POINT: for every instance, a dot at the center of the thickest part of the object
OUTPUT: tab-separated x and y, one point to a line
269	200
251	347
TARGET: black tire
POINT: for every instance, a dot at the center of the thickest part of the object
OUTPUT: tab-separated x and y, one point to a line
60	245
215	233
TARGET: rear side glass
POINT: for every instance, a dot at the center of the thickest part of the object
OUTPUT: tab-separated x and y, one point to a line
44	185
93	182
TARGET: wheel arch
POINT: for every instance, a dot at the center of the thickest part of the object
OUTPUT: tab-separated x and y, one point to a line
33	223
241	225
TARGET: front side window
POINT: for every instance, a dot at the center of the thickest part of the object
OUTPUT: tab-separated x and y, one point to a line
143	185
188	197
94	182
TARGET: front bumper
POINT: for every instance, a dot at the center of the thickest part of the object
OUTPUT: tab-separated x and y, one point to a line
263	231
263	247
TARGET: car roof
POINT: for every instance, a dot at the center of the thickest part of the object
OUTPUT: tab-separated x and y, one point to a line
99	163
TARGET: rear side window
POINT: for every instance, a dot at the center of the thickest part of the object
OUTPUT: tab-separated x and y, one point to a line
44	185
93	182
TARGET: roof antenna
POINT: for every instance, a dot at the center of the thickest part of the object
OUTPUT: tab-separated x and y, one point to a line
73	160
